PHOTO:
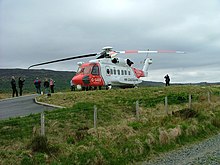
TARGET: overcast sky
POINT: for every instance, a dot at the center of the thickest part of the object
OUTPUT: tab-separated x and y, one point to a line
33	31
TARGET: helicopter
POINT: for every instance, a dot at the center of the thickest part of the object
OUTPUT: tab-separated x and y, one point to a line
108	70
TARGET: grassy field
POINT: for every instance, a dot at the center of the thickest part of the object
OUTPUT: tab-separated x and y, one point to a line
120	138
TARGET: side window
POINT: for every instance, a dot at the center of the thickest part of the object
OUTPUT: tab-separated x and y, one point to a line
125	72
111	71
122	72
108	71
95	70
118	72
129	73
114	71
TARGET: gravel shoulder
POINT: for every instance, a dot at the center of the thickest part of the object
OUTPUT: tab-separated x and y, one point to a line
205	152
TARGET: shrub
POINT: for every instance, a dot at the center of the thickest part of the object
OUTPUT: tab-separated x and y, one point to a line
39	144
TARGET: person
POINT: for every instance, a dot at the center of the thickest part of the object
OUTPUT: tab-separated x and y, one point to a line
20	85
167	80
52	85
46	86
13	86
37	84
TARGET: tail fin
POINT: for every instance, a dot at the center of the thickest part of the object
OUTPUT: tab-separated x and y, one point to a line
147	63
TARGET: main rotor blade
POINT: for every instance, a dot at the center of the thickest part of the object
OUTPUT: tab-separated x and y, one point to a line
148	51
63	59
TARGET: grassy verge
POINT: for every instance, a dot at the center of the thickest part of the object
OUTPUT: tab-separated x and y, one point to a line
5	95
119	138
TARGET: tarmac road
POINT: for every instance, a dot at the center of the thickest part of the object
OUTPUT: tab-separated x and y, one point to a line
20	106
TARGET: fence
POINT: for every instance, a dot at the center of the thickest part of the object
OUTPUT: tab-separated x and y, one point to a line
167	100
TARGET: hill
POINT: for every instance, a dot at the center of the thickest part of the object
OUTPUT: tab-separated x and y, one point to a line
61	78
124	133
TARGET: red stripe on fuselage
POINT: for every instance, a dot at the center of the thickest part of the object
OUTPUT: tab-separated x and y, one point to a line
131	51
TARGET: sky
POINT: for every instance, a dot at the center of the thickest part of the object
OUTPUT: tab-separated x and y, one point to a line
34	31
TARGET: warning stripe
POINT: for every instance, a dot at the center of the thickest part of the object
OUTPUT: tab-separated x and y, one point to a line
131	51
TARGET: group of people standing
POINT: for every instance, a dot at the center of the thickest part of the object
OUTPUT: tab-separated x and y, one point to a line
48	85
20	85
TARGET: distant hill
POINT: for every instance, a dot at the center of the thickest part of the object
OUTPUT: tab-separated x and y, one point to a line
151	83
61	78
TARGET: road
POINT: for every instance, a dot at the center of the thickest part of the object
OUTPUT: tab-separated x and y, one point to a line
20	106
205	152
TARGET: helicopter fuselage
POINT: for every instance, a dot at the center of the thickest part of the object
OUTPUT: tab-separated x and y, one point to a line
107	72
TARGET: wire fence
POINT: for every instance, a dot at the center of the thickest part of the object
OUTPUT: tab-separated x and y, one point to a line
186	99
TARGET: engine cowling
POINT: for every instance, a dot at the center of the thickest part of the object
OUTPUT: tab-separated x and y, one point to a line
122	62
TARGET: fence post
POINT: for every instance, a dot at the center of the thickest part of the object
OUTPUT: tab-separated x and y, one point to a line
42	124
137	109
95	116
166	105
190	101
209	99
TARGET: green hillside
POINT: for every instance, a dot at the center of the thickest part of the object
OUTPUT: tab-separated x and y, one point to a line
61	78
121	136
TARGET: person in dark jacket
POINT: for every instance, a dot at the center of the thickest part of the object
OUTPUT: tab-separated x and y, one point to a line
46	86
13	86
167	80
20	85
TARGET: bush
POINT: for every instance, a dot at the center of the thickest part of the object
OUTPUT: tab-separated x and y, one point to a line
39	144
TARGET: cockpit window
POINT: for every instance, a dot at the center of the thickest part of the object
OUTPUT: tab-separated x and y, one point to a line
80	70
87	70
84	70
95	70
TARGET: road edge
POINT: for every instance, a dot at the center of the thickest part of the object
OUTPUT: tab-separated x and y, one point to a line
46	104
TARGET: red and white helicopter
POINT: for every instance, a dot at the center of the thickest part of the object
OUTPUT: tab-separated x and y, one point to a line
109	70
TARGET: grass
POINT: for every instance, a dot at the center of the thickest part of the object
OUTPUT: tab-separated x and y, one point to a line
119	138
5	95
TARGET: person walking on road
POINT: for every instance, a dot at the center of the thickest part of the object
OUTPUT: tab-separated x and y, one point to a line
37	84
20	85
13	86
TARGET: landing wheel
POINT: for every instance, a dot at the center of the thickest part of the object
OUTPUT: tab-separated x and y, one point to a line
108	87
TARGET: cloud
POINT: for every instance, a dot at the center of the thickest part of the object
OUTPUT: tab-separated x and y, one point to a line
34	31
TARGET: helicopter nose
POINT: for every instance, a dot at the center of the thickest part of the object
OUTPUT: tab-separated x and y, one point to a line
81	80
77	80
86	80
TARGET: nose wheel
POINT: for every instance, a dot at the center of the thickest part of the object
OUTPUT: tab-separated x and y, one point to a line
108	87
